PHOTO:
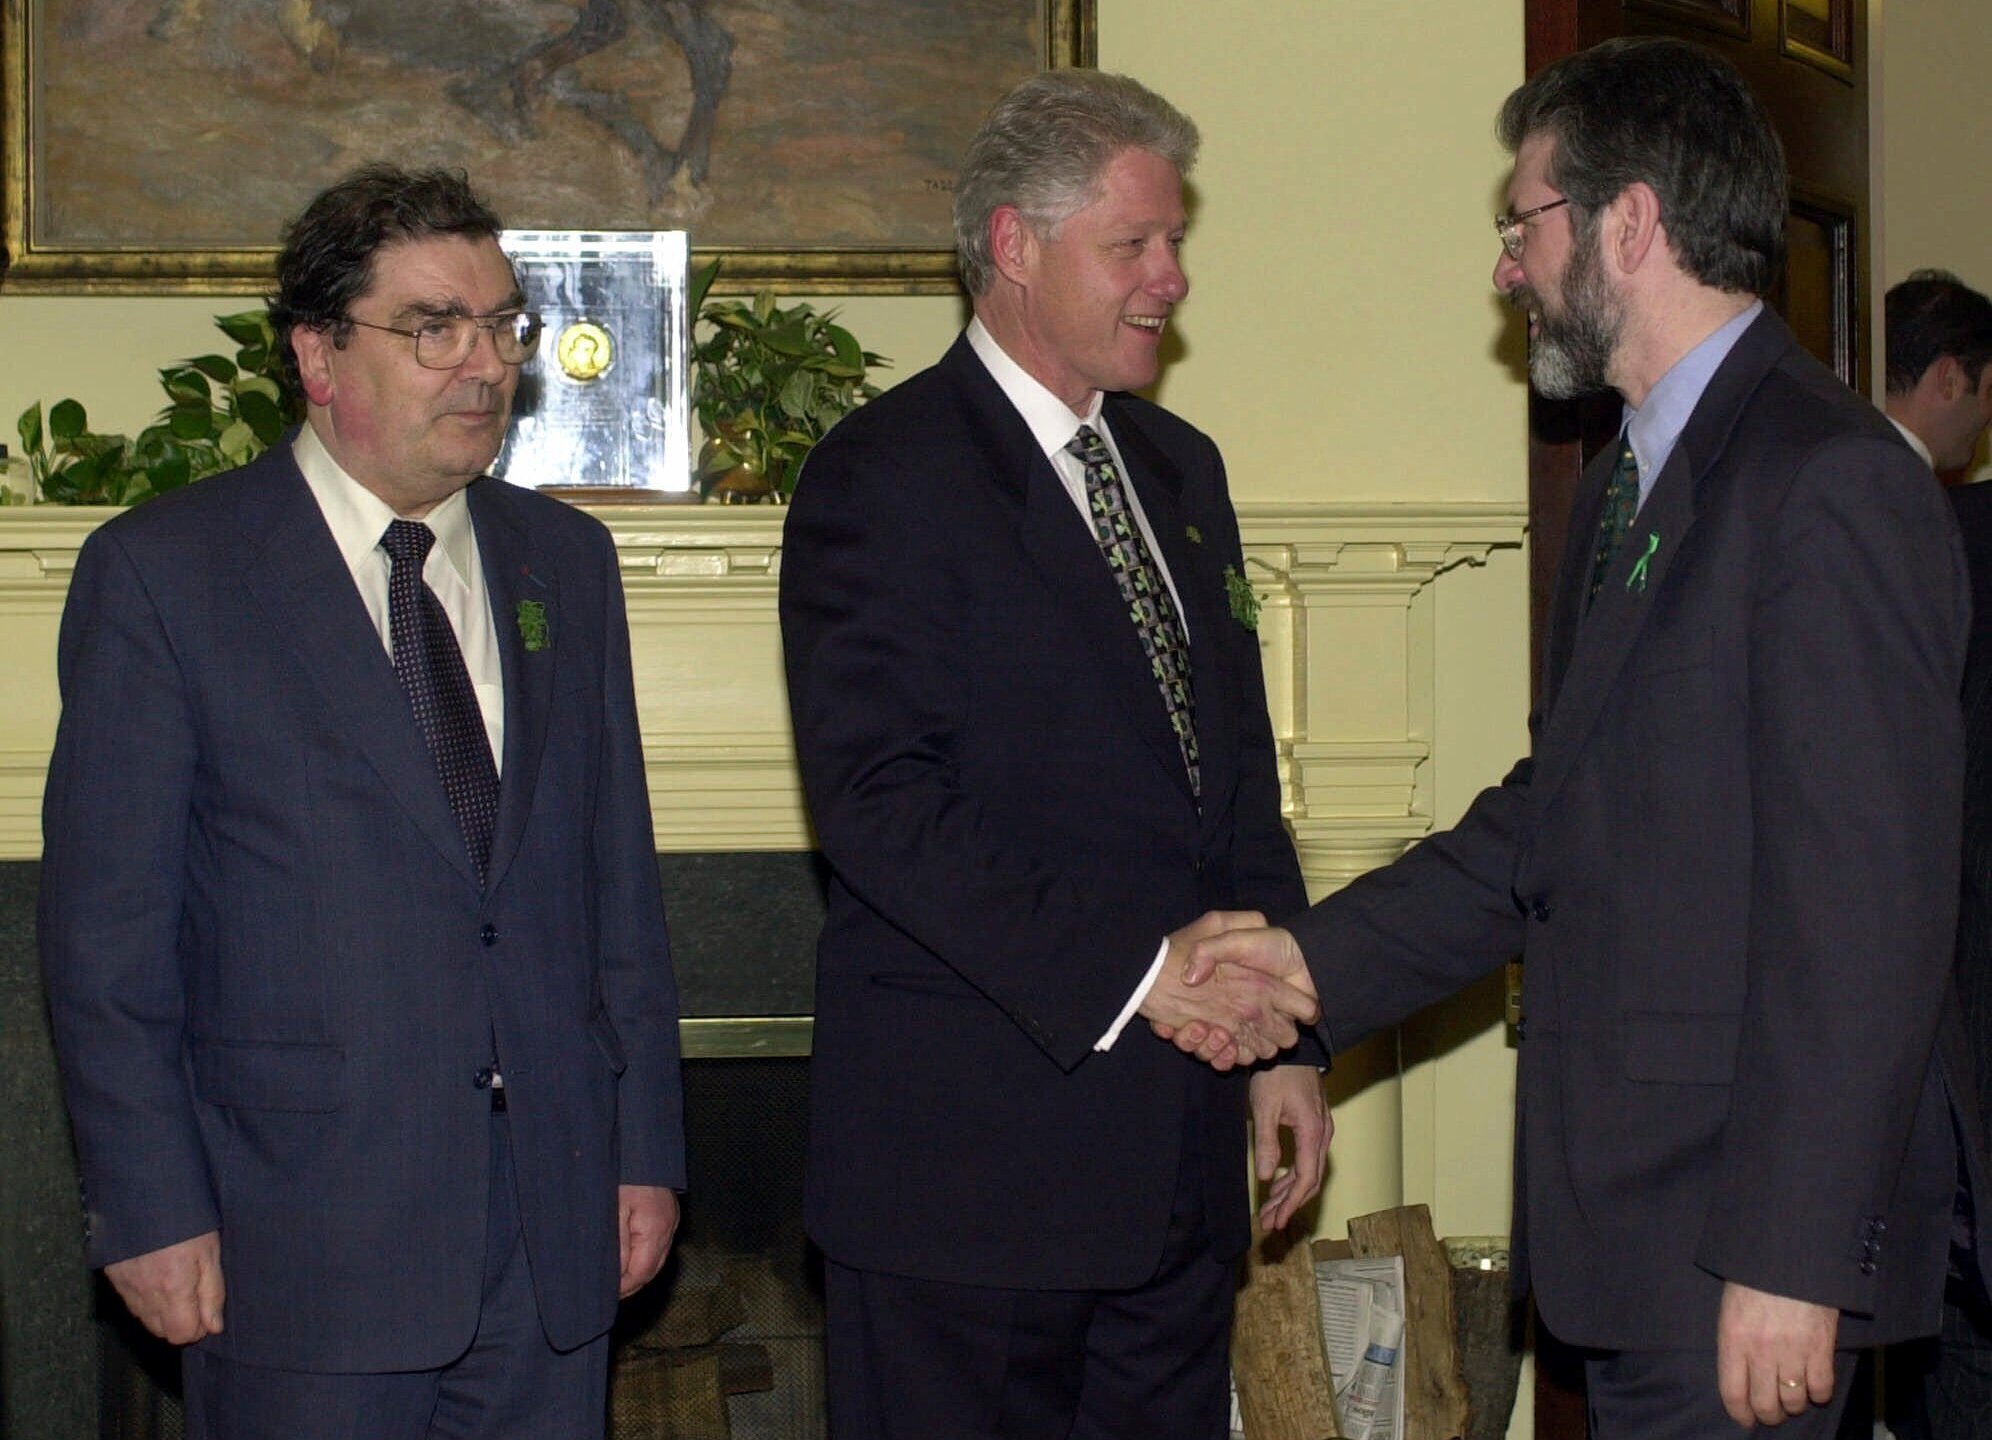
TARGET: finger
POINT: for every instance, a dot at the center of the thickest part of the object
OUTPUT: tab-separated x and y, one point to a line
1280	1204
1294	1002
210	1294
1162	1032
1764	1392
1819	1377
1792	1396
1310	1158
1265	1145
1732	1382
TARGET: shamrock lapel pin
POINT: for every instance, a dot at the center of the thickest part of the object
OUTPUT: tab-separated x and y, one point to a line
1193	535
532	625
1244	604
1636	581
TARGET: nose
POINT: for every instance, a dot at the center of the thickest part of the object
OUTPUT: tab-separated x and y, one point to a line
482	363
1168	282
1507	271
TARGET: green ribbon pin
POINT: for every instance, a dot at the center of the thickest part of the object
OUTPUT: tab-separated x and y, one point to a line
1637	579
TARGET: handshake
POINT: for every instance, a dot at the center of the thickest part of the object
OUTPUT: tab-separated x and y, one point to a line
1231	990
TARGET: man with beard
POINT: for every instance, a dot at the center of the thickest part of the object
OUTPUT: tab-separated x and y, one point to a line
1730	858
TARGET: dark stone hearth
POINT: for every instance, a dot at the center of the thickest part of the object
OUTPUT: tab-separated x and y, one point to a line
743	930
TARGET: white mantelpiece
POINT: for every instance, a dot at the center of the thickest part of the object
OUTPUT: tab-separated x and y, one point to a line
1348	629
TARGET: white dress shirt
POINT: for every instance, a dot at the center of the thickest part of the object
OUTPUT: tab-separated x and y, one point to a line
1053	425
1915	442
453	572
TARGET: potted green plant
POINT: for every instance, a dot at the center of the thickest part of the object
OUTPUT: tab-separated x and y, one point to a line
219	413
768	382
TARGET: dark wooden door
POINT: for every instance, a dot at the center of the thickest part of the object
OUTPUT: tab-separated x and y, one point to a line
1808	60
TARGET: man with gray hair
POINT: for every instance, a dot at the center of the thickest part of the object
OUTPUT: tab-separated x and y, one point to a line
1032	725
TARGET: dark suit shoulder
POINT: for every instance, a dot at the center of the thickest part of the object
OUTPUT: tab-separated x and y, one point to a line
1166	428
1973	507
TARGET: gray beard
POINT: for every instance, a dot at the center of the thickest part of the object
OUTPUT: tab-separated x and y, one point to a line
1571	354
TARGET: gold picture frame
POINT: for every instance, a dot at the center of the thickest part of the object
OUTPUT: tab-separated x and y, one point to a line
151	145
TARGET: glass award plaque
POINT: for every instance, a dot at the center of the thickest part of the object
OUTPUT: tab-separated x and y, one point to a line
603	409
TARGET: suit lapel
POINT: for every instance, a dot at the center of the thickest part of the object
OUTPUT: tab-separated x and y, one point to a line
1604	636
1158	481
301	580
1607	631
515	575
1060	546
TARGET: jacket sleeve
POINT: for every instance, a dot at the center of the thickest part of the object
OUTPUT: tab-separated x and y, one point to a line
1855	741
639	987
115	819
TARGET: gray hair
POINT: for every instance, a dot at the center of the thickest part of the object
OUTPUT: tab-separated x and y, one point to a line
1044	147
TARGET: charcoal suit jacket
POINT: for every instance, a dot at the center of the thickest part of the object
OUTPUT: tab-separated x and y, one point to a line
1011	834
273	974
1729	864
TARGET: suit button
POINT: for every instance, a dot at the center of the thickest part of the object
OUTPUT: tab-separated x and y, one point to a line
489	935
1540	909
1522	1028
1867	1267
482	1079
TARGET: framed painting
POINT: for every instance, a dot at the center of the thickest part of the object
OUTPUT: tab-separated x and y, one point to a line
161	145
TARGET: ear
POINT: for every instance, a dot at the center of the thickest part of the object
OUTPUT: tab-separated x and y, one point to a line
313	349
1949	377
1631	227
1013	244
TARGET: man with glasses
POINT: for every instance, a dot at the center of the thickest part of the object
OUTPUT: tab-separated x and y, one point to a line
1730	860
350	920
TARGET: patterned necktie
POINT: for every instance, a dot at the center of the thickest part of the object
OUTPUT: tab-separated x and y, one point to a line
1149	603
430	668
1621	504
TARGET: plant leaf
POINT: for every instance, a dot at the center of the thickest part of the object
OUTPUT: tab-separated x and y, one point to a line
29	428
263	416
66	421
215	367
247	327
189	422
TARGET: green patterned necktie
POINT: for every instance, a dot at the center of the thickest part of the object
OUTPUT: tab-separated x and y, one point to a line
1149	604
1621	504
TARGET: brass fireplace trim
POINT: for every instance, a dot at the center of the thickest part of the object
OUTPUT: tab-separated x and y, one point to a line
746	1037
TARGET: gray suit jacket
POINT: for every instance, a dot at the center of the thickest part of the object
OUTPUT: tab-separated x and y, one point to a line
1730	866
272	974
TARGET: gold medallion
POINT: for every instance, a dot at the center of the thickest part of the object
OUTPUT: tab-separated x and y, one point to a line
585	351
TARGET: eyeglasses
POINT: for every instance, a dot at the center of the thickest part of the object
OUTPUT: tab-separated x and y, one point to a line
443	342
1509	227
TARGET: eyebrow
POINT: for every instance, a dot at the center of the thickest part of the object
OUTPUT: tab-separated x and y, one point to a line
434	309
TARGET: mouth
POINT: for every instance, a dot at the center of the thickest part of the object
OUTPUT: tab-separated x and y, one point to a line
1148	324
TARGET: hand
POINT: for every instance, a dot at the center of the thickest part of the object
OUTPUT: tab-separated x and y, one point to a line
176	1292
1255	1011
646	1218
1229	951
1288	1097
1764	1341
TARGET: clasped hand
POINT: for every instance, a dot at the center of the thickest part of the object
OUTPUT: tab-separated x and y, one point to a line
1231	990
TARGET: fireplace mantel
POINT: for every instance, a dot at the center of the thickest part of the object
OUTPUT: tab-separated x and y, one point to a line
1347	627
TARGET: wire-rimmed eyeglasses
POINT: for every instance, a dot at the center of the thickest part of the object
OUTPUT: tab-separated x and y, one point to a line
1509	227
443	342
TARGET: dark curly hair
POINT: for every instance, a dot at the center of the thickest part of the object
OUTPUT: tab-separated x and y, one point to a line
329	249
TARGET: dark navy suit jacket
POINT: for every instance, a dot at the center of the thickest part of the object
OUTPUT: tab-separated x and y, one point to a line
1011	834
272	973
1730	865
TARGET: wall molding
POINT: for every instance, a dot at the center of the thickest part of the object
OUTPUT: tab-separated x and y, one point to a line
1347	627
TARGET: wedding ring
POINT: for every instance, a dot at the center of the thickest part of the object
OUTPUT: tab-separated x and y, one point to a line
1789	1384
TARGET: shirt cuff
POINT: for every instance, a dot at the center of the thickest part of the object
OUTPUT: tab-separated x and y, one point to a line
1106	1041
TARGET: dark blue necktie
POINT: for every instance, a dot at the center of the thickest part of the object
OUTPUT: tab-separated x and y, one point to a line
1621	504
430	667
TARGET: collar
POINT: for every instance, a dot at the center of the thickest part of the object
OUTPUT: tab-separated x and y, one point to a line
358	517
1655	427
1051	421
1915	442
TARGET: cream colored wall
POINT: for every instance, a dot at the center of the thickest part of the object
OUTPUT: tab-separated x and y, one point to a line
1933	131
